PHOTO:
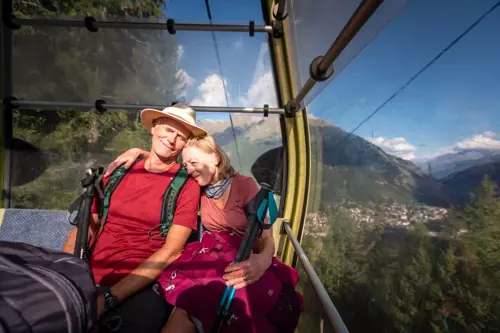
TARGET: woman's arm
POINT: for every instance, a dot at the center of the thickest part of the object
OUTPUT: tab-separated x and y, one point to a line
265	245
249	271
128	157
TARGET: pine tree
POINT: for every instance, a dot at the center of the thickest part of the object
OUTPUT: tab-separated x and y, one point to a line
477	283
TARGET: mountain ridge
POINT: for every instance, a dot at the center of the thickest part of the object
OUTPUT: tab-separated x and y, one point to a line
352	167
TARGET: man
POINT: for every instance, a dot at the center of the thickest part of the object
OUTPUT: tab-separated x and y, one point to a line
128	255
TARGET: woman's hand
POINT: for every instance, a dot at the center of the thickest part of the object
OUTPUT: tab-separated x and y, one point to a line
128	158
247	272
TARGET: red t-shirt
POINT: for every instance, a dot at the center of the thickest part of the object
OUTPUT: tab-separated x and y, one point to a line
135	209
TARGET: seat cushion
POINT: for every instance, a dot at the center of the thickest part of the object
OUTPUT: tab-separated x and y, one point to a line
44	228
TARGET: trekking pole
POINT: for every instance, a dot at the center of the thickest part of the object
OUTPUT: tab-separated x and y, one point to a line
257	209
89	184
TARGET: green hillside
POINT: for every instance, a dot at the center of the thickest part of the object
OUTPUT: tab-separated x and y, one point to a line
459	185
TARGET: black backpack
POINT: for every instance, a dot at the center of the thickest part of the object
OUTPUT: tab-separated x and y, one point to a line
43	290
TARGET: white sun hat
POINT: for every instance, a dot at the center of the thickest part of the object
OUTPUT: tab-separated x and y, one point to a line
179	112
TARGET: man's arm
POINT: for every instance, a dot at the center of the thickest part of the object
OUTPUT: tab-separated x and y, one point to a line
69	245
185	221
151	269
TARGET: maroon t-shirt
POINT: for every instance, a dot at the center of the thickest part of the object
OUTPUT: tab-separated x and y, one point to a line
135	209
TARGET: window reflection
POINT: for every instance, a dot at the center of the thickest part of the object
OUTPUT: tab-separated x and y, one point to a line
66	142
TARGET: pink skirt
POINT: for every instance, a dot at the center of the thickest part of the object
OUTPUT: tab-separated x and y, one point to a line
194	283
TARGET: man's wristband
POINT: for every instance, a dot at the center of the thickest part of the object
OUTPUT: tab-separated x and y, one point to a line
110	301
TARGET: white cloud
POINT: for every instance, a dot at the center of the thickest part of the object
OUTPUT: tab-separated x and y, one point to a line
211	92
180	52
396	146
486	140
311	116
262	90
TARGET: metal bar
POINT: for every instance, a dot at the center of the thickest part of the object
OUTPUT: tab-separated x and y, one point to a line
6	114
327	304
357	20
305	90
143	25
81	105
364	11
281	8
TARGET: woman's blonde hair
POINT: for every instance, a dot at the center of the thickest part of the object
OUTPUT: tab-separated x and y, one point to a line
208	145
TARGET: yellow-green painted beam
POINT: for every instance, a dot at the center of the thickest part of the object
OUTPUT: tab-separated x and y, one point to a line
297	138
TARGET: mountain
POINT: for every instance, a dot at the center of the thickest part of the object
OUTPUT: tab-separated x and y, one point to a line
355	168
451	163
460	184
349	167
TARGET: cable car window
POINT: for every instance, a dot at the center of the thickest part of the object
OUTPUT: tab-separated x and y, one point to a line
403	211
61	72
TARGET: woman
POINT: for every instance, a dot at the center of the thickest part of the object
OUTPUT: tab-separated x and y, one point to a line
195	282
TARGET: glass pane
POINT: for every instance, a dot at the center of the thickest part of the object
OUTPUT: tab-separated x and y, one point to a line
139	66
134	67
313	319
402	227
254	136
71	141
314	29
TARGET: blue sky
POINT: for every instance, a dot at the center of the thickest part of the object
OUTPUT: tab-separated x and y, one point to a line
456	99
242	57
454	104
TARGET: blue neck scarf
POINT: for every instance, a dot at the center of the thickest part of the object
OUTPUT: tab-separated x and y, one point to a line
216	190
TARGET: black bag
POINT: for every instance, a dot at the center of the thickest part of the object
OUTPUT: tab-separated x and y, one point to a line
45	291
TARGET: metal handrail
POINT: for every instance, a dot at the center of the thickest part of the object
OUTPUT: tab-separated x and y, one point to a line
331	312
117	106
145	25
362	14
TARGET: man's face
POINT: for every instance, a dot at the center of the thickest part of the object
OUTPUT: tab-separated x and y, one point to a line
169	137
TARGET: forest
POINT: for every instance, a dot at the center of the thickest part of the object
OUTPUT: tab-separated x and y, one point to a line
386	279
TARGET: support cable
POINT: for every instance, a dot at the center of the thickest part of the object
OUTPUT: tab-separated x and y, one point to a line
429	64
209	13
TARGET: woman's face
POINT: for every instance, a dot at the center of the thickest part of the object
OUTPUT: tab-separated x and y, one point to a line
200	165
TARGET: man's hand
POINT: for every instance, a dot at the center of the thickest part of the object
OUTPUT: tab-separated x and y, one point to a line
247	272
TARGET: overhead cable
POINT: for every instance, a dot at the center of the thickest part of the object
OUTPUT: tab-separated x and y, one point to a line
437	57
209	13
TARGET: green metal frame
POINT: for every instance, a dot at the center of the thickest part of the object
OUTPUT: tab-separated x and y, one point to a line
296	138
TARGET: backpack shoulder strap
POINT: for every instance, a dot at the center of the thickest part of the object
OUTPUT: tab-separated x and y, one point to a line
110	187
170	200
108	190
